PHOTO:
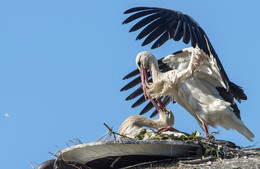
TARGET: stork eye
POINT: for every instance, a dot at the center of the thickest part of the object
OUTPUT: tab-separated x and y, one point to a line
167	112
139	63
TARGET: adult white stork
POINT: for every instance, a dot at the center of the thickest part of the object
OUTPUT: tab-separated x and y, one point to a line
197	86
132	125
165	24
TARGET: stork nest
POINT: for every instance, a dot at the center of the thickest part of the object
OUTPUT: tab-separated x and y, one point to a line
209	150
221	149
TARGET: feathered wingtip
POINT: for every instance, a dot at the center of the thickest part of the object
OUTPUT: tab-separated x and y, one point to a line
238	92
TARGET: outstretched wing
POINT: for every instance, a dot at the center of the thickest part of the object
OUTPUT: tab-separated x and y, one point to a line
161	24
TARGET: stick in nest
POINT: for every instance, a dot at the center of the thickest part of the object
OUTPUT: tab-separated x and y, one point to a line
115	133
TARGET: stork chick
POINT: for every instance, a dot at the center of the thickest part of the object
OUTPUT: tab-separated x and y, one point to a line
133	125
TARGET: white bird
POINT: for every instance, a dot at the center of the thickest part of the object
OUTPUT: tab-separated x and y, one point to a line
160	25
133	125
196	85
164	24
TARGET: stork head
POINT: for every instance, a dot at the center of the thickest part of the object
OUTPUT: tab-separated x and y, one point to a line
166	116
145	59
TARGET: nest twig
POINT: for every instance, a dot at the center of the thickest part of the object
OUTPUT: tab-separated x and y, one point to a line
115	133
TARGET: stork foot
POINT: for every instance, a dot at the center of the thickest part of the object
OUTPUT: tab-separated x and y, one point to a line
167	128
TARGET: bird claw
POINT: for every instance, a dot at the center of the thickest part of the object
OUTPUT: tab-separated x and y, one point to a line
167	128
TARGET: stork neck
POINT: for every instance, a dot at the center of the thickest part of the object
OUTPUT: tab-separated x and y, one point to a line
163	121
154	70
156	124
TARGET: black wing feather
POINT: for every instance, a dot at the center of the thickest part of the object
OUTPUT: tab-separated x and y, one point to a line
140	101
195	38
134	82
131	84
179	31
227	97
131	74
138	15
160	41
155	34
163	24
147	108
150	28
154	113
192	40
137	9
186	33
144	22
136	93
179	26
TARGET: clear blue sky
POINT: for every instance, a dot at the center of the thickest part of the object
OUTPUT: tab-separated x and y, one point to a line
62	61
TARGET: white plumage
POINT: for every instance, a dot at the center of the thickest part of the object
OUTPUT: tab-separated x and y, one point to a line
206	92
132	125
194	83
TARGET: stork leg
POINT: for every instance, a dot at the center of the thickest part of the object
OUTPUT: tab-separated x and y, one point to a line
205	128
155	104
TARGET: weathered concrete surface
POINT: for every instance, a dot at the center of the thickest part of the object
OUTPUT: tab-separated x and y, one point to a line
246	162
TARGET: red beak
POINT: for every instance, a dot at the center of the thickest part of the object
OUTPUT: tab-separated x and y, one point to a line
144	79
